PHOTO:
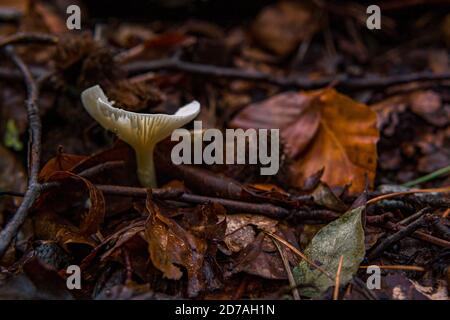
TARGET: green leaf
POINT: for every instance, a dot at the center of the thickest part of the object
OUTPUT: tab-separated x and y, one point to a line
11	138
344	236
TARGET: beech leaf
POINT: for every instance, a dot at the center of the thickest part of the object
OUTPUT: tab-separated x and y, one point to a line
320	129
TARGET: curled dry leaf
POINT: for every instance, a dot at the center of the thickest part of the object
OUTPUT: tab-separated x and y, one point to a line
170	245
322	129
91	220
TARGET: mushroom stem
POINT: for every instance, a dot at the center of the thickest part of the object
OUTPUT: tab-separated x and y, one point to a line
146	167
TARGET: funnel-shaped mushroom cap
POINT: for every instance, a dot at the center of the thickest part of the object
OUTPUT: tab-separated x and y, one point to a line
141	131
137	129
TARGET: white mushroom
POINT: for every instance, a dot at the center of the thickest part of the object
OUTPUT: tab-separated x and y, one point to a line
141	131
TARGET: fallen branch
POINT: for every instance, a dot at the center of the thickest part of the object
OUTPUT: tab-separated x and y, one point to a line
341	81
34	153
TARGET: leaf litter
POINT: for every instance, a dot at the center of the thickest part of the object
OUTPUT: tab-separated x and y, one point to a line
348	126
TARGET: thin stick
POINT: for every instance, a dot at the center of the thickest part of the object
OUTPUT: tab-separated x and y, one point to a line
404	193
431	239
402	233
291	278
337	283
28	37
34	154
415	216
398	267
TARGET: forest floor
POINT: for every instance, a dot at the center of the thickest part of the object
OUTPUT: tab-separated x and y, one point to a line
363	179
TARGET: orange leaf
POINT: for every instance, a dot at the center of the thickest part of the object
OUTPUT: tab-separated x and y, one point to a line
61	162
170	245
321	129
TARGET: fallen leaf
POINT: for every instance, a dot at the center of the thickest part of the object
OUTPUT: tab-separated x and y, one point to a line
342	237
61	162
324	196
253	259
240	230
322	129
49	226
281	27
90	220
170	245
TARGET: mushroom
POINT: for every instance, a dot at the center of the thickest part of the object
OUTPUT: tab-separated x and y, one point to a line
141	131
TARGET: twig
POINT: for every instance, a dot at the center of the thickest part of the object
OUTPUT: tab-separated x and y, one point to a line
415	216
12	193
102	167
291	278
28	37
266	209
342	81
337	283
269	210
34	154
431	239
402	233
398	267
178	195
404	193
90	172
13	74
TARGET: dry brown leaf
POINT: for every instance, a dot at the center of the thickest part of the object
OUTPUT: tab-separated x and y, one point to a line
61	162
321	129
91	220
170	245
50	226
280	28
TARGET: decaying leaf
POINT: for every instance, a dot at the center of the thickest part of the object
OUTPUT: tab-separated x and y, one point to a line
61	162
49	226
322	129
241	229
170	245
342	237
323	195
92	219
255	259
